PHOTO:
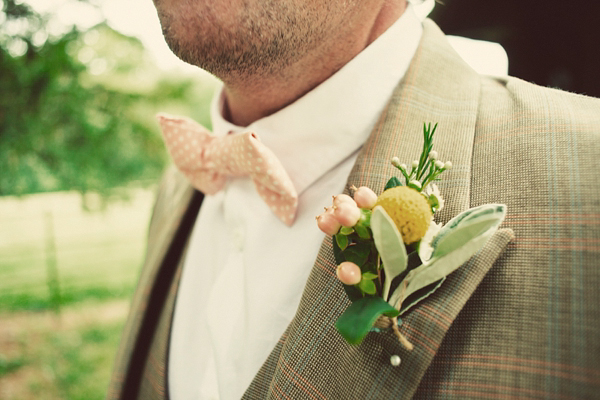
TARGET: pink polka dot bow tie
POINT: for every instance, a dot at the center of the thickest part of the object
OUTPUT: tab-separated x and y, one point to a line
207	160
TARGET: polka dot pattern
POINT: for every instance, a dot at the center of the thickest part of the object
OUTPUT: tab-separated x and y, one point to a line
207	161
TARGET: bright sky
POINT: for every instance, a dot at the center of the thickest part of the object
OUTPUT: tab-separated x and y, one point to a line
131	17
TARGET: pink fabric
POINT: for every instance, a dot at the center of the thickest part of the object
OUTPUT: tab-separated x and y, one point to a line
207	161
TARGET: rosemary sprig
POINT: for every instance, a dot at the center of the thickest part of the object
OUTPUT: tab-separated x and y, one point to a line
427	168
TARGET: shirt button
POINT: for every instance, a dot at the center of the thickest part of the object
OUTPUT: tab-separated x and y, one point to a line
238	238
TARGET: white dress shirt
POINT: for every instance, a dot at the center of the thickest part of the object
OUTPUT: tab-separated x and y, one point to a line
245	270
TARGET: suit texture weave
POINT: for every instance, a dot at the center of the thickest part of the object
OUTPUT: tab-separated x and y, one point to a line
521	319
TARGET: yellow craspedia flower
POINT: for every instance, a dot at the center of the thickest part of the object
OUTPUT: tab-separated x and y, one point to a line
408	209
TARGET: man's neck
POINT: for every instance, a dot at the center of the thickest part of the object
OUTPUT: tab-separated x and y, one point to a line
250	98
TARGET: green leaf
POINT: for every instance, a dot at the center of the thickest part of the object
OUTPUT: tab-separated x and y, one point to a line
392	183
460	243
362	232
357	253
367	286
420	295
353	292
369	275
466	226
346	230
434	202
390	246
357	320
337	253
342	241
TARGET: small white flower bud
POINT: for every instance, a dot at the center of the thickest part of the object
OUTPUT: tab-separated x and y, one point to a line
433	155
439	165
395	161
415	163
403	167
448	165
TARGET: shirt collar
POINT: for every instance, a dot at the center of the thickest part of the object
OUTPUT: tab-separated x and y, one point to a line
329	123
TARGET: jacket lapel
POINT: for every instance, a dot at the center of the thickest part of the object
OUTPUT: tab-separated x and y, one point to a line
438	88
174	214
312	360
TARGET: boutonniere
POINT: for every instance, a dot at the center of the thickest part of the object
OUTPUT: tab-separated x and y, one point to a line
391	254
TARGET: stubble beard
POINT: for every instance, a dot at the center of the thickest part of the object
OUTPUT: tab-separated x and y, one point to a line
260	43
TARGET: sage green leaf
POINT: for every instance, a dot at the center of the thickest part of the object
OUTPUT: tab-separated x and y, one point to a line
467	237
392	183
419	295
342	241
357	320
367	286
456	243
438	268
390	246
466	226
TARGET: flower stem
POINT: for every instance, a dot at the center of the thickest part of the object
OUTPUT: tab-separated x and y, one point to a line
401	338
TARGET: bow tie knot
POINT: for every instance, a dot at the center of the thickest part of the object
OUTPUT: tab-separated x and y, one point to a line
207	161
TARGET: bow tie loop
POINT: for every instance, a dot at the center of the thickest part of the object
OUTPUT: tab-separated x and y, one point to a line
207	161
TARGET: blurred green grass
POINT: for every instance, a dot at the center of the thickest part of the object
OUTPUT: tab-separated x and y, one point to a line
47	356
97	253
65	350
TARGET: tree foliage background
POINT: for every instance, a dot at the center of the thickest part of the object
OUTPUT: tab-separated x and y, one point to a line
77	109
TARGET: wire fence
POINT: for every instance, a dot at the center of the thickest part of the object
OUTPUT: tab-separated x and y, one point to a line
53	251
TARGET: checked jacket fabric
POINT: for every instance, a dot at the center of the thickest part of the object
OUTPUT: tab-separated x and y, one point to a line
521	319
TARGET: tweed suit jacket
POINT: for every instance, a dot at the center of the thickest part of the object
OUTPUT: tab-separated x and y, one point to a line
521	319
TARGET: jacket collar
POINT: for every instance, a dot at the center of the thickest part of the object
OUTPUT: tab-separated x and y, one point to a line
174	214
311	358
439	87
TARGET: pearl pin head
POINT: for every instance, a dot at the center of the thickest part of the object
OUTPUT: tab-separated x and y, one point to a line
395	360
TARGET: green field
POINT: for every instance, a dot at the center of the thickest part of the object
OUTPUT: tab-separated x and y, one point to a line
66	277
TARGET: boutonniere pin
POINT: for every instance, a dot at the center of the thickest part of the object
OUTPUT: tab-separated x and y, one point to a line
391	254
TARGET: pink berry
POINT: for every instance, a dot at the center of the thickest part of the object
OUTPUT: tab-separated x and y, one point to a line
348	273
365	197
342	198
347	214
328	223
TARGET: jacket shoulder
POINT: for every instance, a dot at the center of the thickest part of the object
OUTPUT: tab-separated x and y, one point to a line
529	103
532	133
